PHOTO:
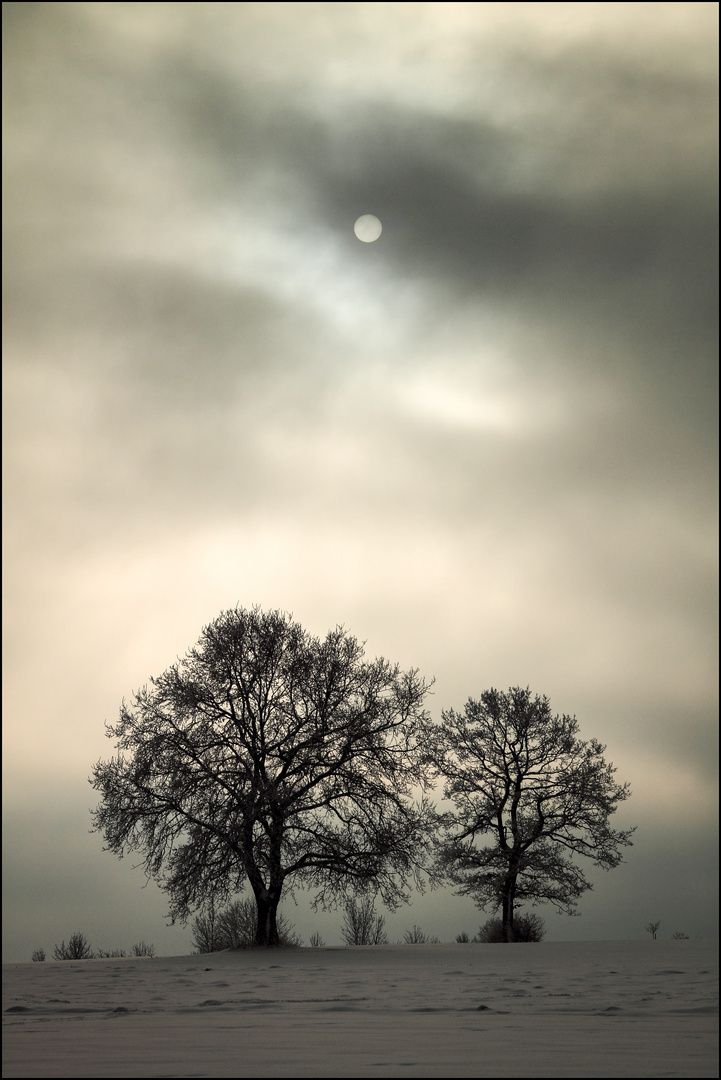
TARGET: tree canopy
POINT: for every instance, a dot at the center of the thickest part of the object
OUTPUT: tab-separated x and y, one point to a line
521	778
271	757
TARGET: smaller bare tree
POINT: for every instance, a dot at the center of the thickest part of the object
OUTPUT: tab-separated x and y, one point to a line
652	927
521	776
316	941
361	925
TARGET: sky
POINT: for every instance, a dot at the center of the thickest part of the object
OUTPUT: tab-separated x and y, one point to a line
485	443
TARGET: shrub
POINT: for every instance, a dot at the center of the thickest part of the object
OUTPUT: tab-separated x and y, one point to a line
142	949
205	934
462	938
235	928
678	936
316	941
38	955
361	925
416	936
78	948
526	928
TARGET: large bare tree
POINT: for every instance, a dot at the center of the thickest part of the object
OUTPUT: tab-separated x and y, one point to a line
529	797
270	757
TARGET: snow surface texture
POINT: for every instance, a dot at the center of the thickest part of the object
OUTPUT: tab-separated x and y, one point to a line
555	1009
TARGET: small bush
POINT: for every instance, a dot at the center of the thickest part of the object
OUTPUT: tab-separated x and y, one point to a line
316	941
678	936
361	925
142	949
38	955
78	948
525	928
235	928
462	938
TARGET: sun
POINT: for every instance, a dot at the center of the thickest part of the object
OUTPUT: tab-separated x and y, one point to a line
368	228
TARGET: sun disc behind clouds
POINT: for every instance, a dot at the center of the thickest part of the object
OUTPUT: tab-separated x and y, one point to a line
368	228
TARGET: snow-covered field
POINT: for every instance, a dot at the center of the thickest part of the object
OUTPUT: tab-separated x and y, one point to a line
555	1009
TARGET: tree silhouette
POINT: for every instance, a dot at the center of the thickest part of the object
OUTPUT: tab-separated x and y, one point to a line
652	928
271	757
520	775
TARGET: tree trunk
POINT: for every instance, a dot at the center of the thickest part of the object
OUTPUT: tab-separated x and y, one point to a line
507	901
266	935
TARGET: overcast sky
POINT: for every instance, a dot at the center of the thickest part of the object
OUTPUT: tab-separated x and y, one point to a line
484	443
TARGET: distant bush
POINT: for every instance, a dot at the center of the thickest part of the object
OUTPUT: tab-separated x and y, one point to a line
526	928
462	938
77	948
316	941
416	936
361	925
142	949
678	936
235	928
38	955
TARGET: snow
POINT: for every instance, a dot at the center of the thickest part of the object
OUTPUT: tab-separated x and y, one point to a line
554	1009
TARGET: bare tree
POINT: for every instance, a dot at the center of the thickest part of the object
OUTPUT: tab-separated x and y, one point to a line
520	775
316	941
652	927
361	925
271	757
